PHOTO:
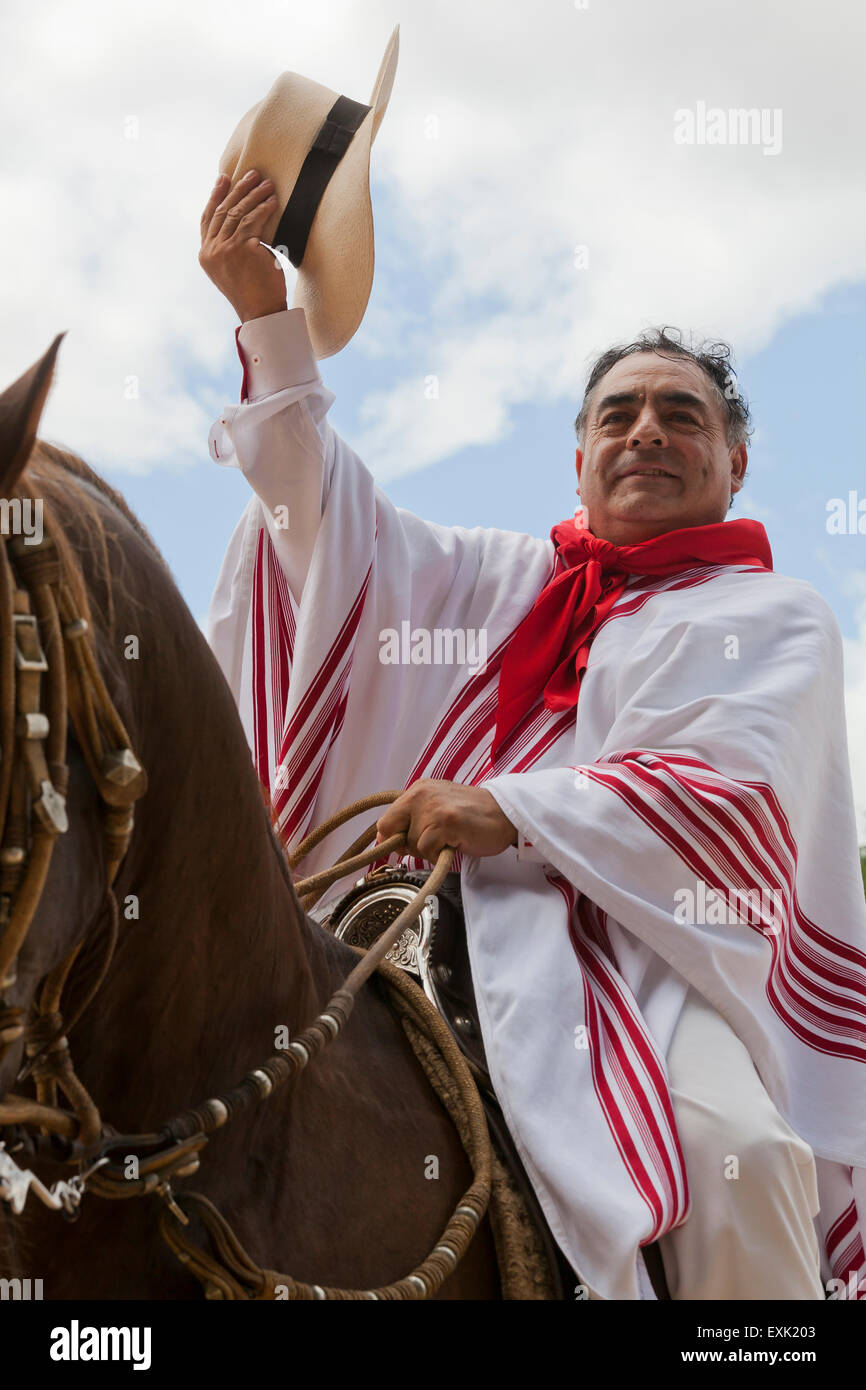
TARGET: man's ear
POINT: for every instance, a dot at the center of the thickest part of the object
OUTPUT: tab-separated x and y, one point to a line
739	461
578	463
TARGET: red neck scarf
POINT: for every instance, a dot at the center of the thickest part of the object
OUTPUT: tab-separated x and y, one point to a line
548	651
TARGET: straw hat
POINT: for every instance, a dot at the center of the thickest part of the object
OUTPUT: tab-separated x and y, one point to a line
315	146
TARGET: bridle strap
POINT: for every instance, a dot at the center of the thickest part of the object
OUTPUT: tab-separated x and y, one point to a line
50	1025
7	680
28	837
49	675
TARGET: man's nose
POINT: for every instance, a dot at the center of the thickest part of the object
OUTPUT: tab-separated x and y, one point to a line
647	432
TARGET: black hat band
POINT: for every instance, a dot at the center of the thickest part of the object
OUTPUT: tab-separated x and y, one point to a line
332	140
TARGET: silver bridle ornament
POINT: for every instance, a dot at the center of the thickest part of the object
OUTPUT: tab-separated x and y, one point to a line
16	1184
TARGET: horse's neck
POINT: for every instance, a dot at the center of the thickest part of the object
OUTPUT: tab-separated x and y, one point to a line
220	953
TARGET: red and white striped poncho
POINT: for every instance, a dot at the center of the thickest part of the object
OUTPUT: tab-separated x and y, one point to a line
707	757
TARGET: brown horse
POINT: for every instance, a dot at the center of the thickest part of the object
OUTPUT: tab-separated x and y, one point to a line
328	1181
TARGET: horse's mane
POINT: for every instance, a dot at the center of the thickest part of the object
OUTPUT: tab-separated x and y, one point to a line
74	464
48	473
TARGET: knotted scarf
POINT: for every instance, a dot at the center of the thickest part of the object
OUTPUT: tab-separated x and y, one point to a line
549	649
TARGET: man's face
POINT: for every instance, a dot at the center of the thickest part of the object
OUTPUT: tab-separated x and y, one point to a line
655	454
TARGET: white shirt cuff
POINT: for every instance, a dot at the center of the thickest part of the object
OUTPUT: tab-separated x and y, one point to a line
276	352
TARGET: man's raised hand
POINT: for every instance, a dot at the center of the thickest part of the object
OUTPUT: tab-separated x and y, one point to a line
232	254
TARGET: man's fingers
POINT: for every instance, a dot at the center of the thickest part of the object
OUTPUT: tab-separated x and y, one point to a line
430	843
252	224
397	817
420	814
217	193
425	835
248	210
407	815
245	226
224	199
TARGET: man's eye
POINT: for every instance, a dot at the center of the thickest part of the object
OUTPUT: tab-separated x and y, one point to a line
612	418
684	415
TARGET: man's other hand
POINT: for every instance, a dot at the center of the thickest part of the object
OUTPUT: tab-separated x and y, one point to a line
232	254
435	814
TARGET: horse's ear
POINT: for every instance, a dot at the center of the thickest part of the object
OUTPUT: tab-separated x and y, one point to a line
21	406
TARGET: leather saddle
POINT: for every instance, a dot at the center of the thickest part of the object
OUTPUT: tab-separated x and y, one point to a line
435	950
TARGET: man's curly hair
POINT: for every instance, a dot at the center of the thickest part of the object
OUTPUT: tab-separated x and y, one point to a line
713	358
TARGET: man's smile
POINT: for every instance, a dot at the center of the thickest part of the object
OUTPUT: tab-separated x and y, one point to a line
646	472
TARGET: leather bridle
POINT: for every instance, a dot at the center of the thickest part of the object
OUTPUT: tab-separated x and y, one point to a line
49	677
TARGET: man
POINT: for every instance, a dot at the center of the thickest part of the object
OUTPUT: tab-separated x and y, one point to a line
664	909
